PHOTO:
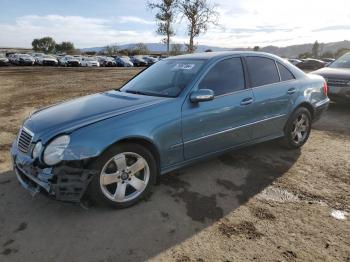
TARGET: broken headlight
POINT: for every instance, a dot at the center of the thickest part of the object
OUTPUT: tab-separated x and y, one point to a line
54	151
37	150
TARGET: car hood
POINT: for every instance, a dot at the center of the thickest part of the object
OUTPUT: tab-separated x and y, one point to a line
68	116
338	73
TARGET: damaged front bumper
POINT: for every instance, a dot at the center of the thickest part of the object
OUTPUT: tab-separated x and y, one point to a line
66	181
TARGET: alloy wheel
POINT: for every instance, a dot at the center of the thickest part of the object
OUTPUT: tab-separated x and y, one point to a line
124	177
300	129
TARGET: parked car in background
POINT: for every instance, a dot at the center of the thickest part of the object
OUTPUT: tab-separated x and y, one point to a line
138	61
328	60
46	60
150	60
22	60
337	75
311	64
69	61
294	61
4	61
107	61
124	61
112	146
89	62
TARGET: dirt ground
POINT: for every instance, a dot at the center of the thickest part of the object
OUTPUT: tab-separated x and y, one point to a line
262	203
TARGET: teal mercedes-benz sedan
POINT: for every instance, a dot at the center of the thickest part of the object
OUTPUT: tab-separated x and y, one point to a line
112	146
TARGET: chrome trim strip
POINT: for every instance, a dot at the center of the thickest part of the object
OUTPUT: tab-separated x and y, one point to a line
232	129
322	102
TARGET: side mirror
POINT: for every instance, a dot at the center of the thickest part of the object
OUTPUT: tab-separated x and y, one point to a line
201	95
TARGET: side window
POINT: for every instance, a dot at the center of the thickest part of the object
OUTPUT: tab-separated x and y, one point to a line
262	71
225	77
284	72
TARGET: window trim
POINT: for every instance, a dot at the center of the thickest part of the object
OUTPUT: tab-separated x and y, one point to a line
249	73
279	73
196	86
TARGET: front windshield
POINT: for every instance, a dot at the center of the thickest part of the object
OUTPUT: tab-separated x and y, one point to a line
90	59
342	62
165	78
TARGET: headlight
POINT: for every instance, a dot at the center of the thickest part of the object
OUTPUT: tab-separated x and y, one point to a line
54	151
37	150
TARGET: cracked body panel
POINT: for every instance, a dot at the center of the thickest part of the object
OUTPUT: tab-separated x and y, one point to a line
67	181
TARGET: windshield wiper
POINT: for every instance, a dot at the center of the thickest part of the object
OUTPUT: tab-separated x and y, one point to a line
137	92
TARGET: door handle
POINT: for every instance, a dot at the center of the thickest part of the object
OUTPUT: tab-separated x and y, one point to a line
291	91
246	101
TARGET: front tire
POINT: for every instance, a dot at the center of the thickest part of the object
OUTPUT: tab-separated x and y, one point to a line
126	175
297	129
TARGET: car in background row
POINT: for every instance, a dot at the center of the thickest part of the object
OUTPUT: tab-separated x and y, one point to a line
21	59
89	62
107	61
328	60
124	61
69	60
150	60
294	61
337	75
311	64
46	60
4	60
138	61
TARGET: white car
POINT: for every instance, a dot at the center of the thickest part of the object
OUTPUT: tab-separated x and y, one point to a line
46	60
90	62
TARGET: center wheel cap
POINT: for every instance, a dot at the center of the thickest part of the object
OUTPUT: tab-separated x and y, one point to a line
124	176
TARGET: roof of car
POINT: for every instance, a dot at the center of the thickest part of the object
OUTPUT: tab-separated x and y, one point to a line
220	54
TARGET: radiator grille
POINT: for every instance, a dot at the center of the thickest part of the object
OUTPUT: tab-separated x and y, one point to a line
24	140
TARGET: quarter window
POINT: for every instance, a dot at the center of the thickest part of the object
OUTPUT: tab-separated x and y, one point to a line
262	71
284	73
225	77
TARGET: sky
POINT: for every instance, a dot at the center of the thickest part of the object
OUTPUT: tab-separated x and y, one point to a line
242	23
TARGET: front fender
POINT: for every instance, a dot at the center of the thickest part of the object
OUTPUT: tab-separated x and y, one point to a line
158	125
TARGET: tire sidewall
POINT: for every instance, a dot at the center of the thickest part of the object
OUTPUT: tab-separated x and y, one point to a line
95	191
289	126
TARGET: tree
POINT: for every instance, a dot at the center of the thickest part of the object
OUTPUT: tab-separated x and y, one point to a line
199	14
316	50
304	55
45	44
256	48
341	52
111	50
166	11
140	49
176	49
327	54
65	47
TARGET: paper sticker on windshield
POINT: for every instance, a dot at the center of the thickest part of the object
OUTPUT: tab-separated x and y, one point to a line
184	66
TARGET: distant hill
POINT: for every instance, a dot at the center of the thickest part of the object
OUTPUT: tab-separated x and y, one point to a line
288	51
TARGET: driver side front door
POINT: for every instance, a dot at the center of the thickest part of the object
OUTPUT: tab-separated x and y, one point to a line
222	123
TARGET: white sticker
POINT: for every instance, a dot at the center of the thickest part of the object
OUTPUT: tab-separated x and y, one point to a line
184	66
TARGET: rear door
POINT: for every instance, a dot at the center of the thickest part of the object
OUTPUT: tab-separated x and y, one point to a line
274	89
223	122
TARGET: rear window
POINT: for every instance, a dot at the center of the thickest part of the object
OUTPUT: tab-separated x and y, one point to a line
284	72
262	71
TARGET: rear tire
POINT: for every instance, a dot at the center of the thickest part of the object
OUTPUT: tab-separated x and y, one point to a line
116	184
297	129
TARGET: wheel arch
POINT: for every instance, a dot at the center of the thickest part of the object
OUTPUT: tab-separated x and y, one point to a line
143	141
308	106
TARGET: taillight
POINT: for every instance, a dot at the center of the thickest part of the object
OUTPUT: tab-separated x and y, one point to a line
325	88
